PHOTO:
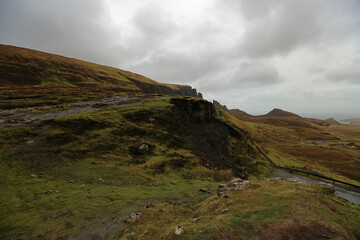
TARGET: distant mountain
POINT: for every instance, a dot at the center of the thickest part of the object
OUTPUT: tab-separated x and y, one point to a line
327	122
239	113
352	120
276	112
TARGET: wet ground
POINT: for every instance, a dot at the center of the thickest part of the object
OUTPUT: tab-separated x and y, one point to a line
342	192
20	116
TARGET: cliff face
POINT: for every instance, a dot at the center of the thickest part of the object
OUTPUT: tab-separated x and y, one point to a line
189	91
217	144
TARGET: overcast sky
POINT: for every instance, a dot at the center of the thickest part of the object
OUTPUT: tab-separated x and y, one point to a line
301	56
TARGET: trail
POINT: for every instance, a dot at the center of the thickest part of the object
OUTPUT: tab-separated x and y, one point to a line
21	116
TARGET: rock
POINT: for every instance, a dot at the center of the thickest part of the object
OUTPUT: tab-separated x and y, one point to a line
224	210
202	190
134	216
178	230
2	121
196	219
144	148
29	141
149	205
32	176
234	185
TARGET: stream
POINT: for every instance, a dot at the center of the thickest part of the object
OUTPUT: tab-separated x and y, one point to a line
342	192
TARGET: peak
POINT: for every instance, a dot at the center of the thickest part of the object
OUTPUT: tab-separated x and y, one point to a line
277	112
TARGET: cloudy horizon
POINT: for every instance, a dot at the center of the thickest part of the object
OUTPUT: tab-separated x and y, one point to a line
300	56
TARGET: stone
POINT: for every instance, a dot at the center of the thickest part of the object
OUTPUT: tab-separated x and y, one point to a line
202	190
234	185
149	205
144	148
134	216
224	210
178	230
32	176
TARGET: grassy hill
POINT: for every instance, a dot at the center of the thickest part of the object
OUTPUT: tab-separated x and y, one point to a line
322	146
32	78
79	176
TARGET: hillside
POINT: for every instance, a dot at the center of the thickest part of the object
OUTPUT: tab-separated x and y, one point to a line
29	78
320	146
352	120
93	152
276	112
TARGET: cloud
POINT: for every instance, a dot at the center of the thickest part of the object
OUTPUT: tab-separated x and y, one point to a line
254	74
280	29
348	73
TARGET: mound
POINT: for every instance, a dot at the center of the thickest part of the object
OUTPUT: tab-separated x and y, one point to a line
276	112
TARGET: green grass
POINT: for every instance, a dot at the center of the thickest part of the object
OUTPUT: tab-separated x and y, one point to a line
252	213
78	176
94	151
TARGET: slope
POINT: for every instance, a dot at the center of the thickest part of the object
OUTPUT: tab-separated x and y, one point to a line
33	77
322	146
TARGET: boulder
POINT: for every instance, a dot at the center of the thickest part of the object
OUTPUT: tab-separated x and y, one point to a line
234	185
178	230
134	216
143	149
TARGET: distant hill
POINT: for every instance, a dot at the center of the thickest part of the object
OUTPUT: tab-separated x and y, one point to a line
27	68
352	120
327	122
239	113
276	112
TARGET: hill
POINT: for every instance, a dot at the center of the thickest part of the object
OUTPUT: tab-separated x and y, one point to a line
276	112
326	122
352	120
93	152
29	78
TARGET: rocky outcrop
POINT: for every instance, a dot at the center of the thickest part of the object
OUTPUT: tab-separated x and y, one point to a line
189	91
217	144
236	184
198	111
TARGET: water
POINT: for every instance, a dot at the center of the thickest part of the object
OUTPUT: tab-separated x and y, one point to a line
351	196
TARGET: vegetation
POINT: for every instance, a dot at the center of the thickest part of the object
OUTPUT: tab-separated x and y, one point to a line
79	176
322	146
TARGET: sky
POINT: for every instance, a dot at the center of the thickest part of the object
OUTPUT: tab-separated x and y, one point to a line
300	56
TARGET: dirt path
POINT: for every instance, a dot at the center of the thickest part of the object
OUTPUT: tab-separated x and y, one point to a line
20	116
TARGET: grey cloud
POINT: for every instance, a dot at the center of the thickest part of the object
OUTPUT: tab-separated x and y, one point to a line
178	67
285	27
255	74
246	74
349	74
71	28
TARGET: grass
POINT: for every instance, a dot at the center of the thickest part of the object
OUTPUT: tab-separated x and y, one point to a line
255	213
31	78
79	175
293	144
